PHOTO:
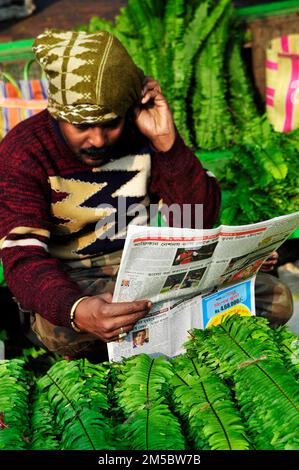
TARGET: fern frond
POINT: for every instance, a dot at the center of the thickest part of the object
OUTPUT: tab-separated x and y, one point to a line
96	24
241	96
14	405
45	431
150	34
266	392
212	120
200	27
142	395
153	428
76	391
173	33
256	131
143	380
197	31
273	416
262	151
156	7
86	430
288	344
205	402
259	138
254	199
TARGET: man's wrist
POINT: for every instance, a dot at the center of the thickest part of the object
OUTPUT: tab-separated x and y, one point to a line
73	313
172	143
163	143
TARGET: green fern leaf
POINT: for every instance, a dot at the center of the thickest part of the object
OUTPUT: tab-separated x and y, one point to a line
205	402
143	380
76	391
45	431
14	405
142	395
153	428
86	431
245	353
288	344
212	120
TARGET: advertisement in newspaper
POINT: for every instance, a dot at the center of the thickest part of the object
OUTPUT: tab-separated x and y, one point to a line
236	298
192	277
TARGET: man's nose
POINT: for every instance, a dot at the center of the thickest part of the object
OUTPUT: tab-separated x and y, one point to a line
96	137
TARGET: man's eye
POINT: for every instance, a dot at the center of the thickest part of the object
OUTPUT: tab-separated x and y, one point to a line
82	127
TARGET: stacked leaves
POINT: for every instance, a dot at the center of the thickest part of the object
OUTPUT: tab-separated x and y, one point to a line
193	48
262	177
70	411
14	405
288	344
142	391
235	388
205	404
243	351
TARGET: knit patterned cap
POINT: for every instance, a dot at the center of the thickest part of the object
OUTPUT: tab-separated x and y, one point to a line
92	78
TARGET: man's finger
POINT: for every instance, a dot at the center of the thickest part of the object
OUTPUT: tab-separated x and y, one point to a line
273	256
127	308
107	297
114	335
126	321
123	324
151	86
151	94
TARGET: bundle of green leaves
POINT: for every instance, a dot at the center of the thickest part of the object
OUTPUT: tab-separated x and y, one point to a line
185	45
141	388
164	38
236	387
245	352
15	384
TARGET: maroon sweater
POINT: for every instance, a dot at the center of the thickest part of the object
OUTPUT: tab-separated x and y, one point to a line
51	205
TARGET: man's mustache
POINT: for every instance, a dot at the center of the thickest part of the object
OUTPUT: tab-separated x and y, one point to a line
95	152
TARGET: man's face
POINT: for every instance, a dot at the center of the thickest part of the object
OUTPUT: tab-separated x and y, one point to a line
93	144
140	337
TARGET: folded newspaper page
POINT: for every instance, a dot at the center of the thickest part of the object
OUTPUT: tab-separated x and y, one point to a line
193	277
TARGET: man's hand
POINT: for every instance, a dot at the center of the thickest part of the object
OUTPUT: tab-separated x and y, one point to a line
270	262
154	118
99	316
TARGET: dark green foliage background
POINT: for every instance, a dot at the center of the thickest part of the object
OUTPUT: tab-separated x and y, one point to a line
194	49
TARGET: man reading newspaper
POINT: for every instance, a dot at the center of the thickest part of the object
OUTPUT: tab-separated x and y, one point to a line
215	280
107	138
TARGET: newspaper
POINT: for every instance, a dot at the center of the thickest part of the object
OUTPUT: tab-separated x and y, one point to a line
192	278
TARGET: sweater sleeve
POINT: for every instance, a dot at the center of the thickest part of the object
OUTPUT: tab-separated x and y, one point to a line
35	278
179	178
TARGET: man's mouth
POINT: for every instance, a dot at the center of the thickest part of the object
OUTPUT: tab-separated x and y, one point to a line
94	155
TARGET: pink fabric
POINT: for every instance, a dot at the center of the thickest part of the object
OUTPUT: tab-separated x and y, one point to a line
289	105
285	43
270	91
271	65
